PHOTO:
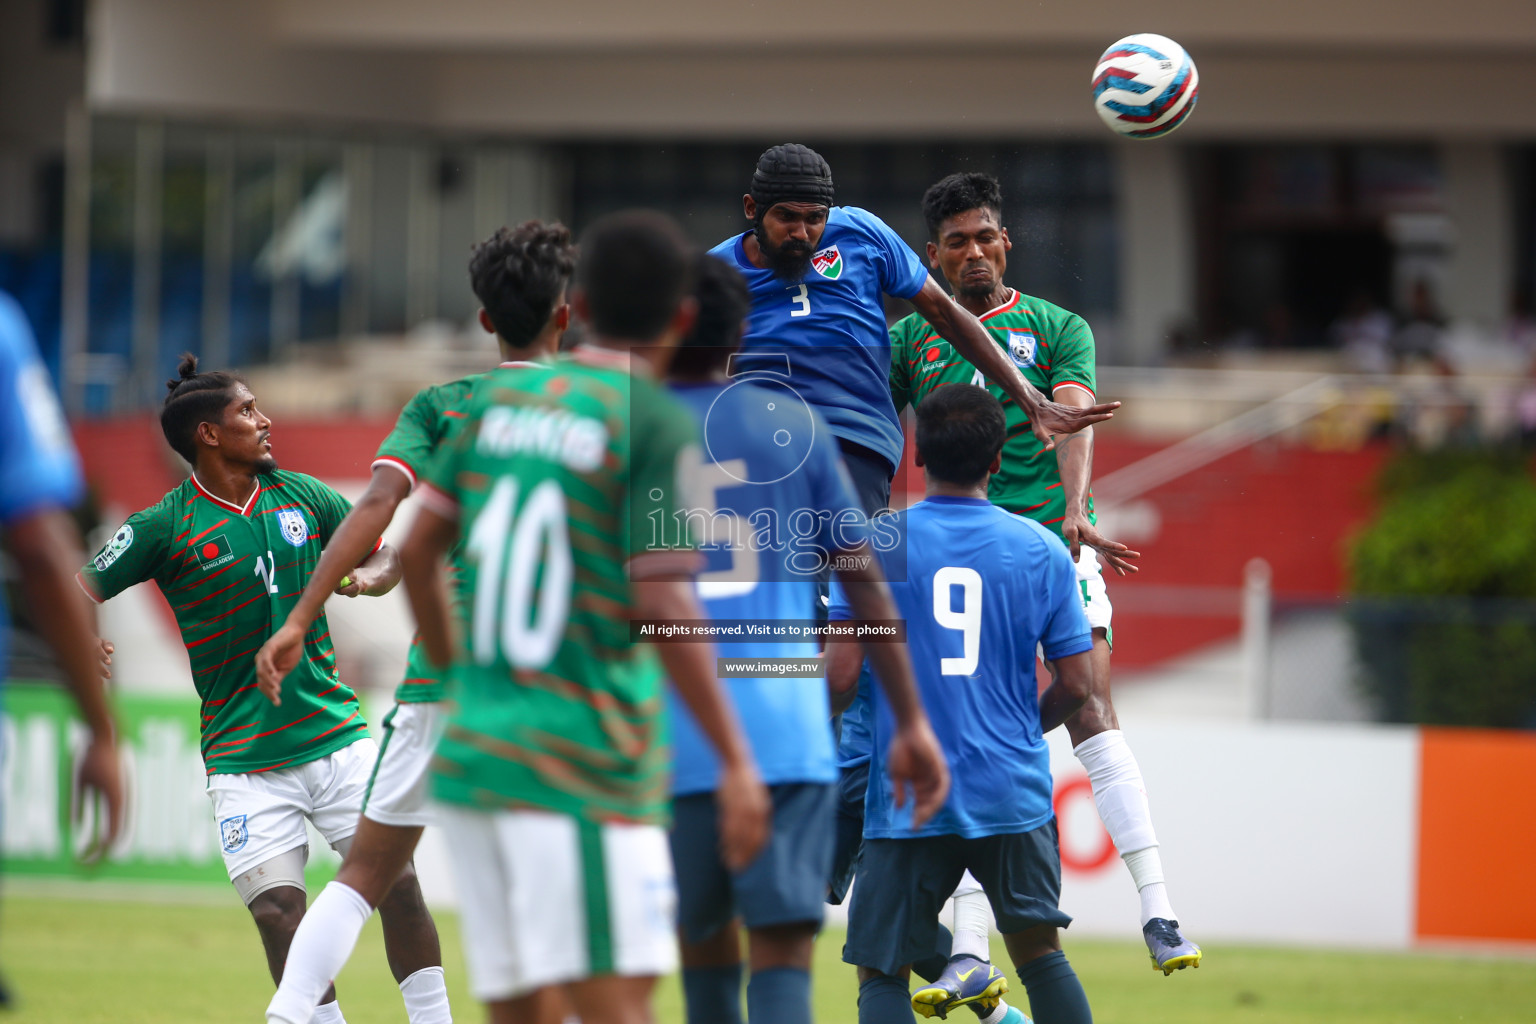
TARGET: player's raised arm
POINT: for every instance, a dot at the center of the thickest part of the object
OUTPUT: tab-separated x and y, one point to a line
961	329
1074	460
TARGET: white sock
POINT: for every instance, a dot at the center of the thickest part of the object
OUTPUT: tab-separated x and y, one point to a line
426	997
997	1014
1146	868
1121	797
971	921
330	1013
319	951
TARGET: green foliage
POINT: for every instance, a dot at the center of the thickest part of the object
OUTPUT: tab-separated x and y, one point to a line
1444	586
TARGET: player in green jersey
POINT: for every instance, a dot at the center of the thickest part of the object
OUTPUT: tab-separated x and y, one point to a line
520	277
1054	350
553	770
231	548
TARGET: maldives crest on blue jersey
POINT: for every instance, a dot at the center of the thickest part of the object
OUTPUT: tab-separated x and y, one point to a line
828	263
1021	346
295	528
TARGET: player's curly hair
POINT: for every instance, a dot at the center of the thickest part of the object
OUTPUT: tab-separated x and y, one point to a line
193	398
519	275
968	190
960	430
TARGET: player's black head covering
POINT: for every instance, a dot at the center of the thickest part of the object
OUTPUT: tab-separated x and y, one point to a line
791	173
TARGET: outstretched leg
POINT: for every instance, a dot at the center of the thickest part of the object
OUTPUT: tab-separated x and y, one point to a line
1120	794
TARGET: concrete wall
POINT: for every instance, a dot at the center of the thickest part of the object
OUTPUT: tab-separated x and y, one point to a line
693	67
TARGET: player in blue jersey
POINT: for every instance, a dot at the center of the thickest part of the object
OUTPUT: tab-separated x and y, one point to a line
772	504
818	274
39	482
982	590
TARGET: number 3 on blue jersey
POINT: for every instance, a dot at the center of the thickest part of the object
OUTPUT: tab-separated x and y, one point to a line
801	300
967	618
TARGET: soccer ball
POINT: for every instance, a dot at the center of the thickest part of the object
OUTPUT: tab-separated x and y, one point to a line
1145	86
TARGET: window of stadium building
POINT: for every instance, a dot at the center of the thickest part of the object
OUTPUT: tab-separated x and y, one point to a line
1294	240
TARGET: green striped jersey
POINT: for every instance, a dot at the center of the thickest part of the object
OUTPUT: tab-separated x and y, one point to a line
1051	347
558	481
429	420
231	574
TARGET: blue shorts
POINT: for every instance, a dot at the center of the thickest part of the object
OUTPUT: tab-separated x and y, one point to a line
903	883
851	784
784	885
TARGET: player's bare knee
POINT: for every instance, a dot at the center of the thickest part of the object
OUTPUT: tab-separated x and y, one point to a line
1032	944
782	945
277	911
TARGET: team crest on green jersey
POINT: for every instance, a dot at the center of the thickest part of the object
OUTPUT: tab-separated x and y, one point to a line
828	263
1021	346
295	526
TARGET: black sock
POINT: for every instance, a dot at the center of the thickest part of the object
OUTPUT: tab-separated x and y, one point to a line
779	995
713	994
1055	994
930	967
885	1000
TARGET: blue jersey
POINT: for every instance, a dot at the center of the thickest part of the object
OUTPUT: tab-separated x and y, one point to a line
38	466
771	471
831	325
982	589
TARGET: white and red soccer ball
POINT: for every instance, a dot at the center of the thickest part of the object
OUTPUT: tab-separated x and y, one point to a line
1145	86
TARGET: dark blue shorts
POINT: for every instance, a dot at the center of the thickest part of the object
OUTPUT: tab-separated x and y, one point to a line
903	883
786	882
851	784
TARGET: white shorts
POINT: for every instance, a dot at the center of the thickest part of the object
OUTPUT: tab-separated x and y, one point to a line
397	793
1095	597
262	814
546	899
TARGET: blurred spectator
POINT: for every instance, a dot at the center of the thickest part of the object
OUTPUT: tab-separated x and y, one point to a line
1423	326
1525	408
1520	328
1441	413
1363	332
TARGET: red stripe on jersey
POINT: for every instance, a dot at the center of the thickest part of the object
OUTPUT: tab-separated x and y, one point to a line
1054	486
1023	511
339	725
1048	522
1074	384
236	608
213	575
225	732
932	375
1005	307
216	593
211	636
206	532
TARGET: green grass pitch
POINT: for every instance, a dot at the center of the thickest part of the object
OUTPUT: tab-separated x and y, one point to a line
195	960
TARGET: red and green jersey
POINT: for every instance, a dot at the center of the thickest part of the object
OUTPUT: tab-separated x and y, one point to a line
1051	347
565	486
231	574
429	420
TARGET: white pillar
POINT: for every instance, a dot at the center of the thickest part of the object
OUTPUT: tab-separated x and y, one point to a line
1480	268
1157	248
1256	638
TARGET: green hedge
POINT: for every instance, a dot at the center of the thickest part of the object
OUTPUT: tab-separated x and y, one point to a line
1443	591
